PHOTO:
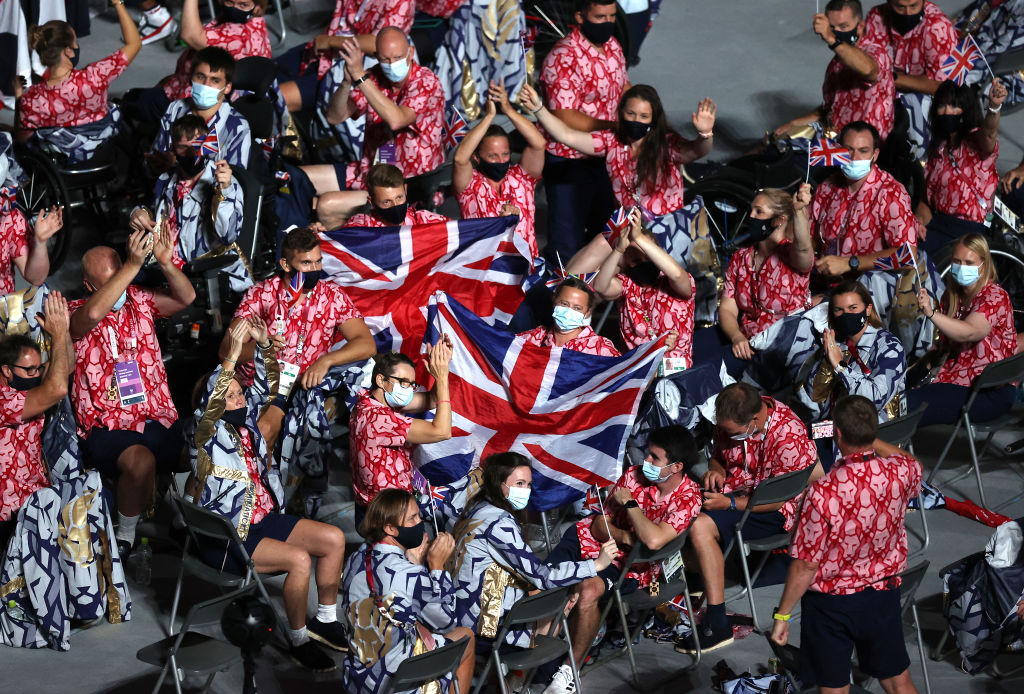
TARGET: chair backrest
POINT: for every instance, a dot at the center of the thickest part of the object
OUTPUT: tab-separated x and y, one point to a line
789	656
429	667
912	579
258	113
254	74
421	188
641	554
901	430
210	611
533	608
205	524
775	490
1000	373
252	189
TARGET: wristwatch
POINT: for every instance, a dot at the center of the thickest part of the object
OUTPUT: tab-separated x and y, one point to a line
732	503
631	504
854	262
835	44
366	76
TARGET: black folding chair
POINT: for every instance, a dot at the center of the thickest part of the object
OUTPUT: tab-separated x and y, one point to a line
428	667
997	374
900	432
547	605
771	491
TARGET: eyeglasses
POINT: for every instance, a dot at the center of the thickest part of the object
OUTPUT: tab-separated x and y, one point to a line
404	382
30	370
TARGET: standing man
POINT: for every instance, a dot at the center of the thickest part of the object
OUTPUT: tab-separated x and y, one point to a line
848	549
126	417
919	36
584	77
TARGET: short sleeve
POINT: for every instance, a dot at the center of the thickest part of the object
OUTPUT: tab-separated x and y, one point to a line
603	140
523	175
12	406
344	311
251	303
14	228
108	69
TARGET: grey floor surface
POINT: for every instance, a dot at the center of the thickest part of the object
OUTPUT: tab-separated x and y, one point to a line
762	65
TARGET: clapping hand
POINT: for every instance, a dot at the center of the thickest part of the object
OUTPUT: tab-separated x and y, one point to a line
529	98
55	319
353	57
496	95
258	330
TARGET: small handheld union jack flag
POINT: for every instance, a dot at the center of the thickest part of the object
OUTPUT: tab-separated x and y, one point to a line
826	152
268	146
7	197
615	226
560	275
593	501
207	145
295	287
961	61
900	258
454	128
438	494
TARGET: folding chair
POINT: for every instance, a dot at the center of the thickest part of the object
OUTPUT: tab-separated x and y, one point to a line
996	374
194	652
643	603
428	667
912	579
530	609
900	432
789	662
216	529
771	491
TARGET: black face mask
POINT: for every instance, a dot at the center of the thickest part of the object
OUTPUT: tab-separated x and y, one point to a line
235	418
394	215
759	229
849	324
598	32
310	279
849	37
411	537
190	164
945	125
905	23
233	15
634	129
24	383
77	54
494	170
645	273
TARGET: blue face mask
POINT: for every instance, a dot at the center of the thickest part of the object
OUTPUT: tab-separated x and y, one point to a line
518	497
395	71
120	301
567	319
965	275
653	473
856	169
204	96
400	396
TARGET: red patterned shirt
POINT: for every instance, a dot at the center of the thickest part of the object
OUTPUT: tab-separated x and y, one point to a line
240	40
766	295
665	197
380	453
783	447
646	313
439	8
13	244
134	336
315	323
851	524
968	359
79	99
363	17
21	453
849	97
922	49
875	217
587	341
960	183
480	199
678	509
577	76
418	146
263	503
365	219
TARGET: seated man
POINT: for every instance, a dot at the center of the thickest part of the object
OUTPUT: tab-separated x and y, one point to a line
387	192
651	504
756	438
193	197
126	417
574	303
227	130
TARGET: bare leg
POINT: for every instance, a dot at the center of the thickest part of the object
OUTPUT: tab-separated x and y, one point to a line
334	209
135	483
273	555
834	690
704	538
464	673
327	544
292	96
324	177
900	684
585	619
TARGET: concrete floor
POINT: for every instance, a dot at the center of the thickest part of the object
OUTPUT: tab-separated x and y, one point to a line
762	65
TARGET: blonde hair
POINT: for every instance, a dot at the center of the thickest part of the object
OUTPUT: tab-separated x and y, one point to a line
779	203
50	40
977	244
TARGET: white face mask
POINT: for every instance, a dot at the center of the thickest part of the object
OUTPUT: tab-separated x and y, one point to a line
120	301
204	96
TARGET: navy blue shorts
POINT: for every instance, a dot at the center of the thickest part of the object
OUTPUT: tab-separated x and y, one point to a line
102	447
831	626
758	525
275	526
568	549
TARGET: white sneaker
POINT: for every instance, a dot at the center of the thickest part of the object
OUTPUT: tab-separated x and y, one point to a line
562	682
156	24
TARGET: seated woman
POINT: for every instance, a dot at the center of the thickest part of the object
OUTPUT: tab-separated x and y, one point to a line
397	597
857	357
233	478
494	565
975	323
960	174
763	282
68	110
656	295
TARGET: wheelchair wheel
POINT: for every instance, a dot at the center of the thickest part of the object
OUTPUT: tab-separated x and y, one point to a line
42	187
727	202
1008	257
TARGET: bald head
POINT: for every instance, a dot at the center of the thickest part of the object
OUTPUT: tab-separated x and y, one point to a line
392	44
99	264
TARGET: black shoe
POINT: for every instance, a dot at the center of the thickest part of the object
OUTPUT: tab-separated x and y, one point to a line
330	634
709	638
124	548
312	657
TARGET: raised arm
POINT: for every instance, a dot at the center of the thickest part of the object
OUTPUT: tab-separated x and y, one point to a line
532	160
704	123
577	139
850	55
440	429
678	278
97	306
987	136
35	265
607	284
54	386
462	172
180	292
129	32
801	251
192	31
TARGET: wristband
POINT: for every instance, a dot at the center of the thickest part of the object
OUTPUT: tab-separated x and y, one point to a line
631	504
231	360
835	44
266	346
366	76
781	617
732	503
995	110
538	110
706	135
441	401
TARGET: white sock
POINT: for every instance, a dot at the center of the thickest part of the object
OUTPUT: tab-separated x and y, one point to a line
126	527
298	636
327	613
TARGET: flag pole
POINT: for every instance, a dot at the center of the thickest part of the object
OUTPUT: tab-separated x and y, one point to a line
604	515
983	58
913	258
433	515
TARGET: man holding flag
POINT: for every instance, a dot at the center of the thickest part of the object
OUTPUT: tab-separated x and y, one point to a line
388	200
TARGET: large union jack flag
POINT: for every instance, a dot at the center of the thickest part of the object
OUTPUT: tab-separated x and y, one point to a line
390	273
454	128
960	61
569	412
826	152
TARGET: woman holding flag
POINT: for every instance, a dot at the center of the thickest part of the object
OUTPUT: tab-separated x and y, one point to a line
960	174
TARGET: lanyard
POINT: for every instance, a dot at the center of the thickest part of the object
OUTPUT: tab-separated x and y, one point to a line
130	344
764	434
855	355
303	327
